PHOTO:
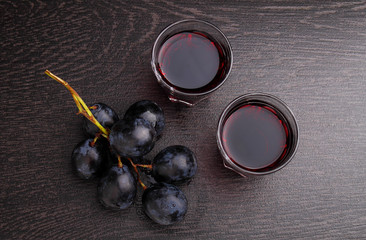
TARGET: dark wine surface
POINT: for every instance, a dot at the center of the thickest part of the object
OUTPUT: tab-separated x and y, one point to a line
254	137
191	61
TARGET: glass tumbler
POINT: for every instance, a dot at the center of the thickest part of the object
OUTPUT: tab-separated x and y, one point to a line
191	59
257	134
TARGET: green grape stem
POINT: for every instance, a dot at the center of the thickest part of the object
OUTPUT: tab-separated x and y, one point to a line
83	108
85	111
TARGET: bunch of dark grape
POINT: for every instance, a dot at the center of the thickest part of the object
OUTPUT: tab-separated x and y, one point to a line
111	148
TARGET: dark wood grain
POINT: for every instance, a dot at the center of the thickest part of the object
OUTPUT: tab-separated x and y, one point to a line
311	54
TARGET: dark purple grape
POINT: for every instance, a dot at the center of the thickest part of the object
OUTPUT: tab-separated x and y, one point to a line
174	164
117	190
164	203
149	111
104	114
132	137
89	161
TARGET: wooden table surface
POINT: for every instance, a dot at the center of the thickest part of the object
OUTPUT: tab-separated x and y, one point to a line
311	54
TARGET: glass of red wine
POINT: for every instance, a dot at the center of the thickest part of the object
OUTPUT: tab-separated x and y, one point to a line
257	134
191	59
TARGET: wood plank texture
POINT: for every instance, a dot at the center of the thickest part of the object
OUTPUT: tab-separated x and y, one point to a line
311	54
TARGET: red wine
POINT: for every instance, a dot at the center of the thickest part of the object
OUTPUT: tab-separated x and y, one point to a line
255	137
192	62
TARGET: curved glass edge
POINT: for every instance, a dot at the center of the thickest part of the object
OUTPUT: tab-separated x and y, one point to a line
227	161
192	98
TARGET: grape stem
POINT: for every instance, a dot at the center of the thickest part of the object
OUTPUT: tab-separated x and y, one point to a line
97	136
83	108
149	166
138	174
85	111
120	165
